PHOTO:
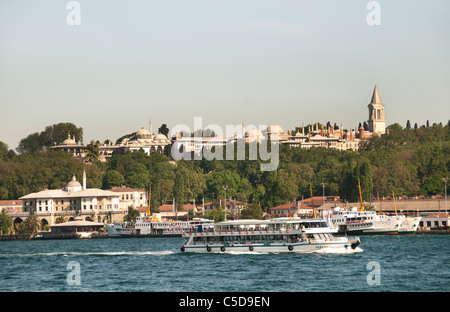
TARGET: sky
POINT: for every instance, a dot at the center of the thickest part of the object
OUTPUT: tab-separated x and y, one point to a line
258	62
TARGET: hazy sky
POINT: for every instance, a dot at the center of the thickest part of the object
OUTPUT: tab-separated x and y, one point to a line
230	61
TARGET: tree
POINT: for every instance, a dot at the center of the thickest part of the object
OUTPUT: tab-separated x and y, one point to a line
164	130
92	151
408	124
51	136
6	223
217	214
132	214
252	211
32	225
179	190
112	178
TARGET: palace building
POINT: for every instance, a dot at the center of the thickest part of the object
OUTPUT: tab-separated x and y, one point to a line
75	199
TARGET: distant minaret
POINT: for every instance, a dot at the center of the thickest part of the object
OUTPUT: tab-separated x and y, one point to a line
84	179
150	127
377	123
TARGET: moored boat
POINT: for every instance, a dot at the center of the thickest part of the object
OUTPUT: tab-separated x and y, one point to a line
275	236
358	222
154	226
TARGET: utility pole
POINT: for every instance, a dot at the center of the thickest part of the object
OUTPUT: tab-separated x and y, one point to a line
225	200
445	182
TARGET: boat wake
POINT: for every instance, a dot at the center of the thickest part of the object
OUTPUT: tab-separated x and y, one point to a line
100	253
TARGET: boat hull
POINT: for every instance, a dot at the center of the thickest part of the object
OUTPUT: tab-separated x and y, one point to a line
286	248
115	231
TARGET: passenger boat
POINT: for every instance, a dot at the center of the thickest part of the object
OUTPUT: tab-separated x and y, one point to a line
155	226
280	235
359	222
409	224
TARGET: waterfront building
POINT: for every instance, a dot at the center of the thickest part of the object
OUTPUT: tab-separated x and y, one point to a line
435	221
291	209
131	197
11	207
74	200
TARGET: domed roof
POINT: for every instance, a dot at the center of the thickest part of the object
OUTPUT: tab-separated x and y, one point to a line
160	137
275	129
143	131
74	185
254	135
69	141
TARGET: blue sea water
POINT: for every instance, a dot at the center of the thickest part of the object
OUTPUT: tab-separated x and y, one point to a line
402	264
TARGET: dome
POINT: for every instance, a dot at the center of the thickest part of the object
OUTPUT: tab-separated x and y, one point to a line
142	131
69	141
254	135
160	137
74	185
274	129
143	134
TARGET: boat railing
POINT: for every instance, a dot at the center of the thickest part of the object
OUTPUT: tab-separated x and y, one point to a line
214	232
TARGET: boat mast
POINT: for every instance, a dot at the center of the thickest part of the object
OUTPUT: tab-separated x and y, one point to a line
314	210
378	199
360	196
149	199
395	206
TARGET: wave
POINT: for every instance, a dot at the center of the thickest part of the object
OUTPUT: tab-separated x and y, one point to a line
99	253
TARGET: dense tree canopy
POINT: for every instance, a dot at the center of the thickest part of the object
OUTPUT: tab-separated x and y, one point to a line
408	161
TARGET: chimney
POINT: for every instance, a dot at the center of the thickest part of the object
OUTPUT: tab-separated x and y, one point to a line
361	133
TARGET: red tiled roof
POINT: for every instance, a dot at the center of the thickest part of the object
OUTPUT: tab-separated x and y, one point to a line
125	189
290	206
15	202
439	215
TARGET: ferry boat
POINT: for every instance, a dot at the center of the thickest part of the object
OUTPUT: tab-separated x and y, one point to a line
409	224
359	222
278	235
155	226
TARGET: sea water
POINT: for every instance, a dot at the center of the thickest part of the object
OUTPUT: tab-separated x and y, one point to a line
386	263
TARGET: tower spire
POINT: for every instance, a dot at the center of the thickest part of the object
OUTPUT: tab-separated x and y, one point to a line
376	99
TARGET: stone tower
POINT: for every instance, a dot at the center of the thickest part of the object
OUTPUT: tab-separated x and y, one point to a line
377	123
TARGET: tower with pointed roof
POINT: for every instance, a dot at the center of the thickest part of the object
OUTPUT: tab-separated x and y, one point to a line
377	123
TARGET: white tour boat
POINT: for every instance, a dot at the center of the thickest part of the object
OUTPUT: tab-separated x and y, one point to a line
359	222
409	224
155	226
276	236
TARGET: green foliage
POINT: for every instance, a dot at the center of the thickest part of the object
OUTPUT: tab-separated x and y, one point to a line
252	211
132	214
410	161
51	136
6	223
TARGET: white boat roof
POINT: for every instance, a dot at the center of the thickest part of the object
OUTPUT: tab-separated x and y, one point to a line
270	221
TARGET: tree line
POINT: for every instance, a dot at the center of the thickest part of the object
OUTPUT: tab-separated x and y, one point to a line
409	161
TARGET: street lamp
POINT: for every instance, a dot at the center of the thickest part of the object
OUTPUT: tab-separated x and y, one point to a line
323	194
225	200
